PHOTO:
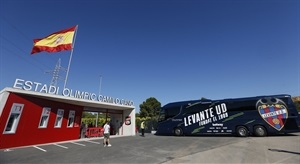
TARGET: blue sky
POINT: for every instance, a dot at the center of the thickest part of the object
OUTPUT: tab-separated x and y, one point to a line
171	50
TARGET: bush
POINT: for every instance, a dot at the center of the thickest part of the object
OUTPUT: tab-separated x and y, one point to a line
92	121
150	124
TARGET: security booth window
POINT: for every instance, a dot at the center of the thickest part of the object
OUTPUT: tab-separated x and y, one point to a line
14	118
44	117
71	118
59	118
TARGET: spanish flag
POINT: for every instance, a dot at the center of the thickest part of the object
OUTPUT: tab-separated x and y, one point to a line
55	42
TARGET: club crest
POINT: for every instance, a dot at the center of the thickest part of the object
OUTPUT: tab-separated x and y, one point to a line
273	111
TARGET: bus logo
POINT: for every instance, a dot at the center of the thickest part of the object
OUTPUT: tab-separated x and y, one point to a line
273	111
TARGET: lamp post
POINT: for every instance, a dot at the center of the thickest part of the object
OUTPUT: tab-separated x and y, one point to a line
99	95
100	83
97	120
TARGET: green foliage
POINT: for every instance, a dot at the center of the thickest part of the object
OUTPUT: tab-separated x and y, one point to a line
138	120
88	115
90	118
297	104
92	121
137	115
149	108
149	111
150	123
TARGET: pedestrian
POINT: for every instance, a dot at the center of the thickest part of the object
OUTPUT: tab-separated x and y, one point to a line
106	135
82	130
143	128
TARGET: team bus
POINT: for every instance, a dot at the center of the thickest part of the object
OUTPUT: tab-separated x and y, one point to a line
258	116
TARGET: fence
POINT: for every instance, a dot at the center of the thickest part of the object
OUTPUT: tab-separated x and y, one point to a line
94	132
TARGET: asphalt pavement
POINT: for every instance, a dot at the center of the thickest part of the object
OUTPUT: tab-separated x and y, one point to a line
274	149
162	149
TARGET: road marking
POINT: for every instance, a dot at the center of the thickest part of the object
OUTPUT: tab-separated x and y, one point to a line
77	143
93	142
61	146
40	148
7	150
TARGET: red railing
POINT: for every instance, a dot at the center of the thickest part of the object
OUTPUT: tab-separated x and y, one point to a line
94	132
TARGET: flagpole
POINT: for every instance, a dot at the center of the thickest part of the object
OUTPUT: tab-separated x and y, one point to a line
70	57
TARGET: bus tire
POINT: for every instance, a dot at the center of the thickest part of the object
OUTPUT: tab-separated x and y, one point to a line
178	132
260	131
242	131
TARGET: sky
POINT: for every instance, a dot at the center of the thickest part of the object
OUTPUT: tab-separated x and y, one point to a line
172	50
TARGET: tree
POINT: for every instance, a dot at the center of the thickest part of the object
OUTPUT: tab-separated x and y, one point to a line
87	115
297	104
149	108
296	101
137	115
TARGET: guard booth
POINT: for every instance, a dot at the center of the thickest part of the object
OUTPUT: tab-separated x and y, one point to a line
118	121
32	117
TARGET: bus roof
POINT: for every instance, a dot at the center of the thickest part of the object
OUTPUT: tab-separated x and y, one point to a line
204	101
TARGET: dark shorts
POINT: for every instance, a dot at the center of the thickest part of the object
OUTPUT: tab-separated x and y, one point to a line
106	135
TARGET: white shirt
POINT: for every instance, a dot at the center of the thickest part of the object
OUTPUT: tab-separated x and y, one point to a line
106	128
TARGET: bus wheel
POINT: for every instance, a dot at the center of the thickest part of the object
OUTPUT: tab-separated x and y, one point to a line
260	131
178	131
242	131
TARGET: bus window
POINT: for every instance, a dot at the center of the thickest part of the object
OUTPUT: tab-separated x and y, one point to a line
196	108
167	113
162	115
241	105
172	112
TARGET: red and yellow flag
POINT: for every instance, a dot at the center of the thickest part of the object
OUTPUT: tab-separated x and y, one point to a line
55	42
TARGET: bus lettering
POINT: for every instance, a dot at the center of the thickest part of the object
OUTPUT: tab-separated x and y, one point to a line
218	109
275	113
224	108
221	108
197	117
230	116
204	122
222	116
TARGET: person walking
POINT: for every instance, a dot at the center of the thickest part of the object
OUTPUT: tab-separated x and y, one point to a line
143	128
106	134
82	130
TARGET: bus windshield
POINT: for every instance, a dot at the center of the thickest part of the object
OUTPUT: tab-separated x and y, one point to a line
161	116
170	112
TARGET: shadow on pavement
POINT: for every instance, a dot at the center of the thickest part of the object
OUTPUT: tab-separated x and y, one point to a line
284	151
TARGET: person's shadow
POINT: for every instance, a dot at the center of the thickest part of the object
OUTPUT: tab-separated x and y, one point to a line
284	151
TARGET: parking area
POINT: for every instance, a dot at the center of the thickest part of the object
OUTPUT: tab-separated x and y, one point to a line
162	149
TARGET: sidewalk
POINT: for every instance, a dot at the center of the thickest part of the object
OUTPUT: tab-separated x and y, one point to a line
253	150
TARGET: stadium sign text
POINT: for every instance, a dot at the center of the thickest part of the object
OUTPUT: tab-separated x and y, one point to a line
44	88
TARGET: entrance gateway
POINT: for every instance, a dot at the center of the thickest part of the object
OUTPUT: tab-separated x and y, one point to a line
34	113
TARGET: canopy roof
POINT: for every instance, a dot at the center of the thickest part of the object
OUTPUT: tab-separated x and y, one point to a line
90	105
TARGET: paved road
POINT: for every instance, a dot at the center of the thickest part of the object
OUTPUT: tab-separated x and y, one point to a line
275	149
163	149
